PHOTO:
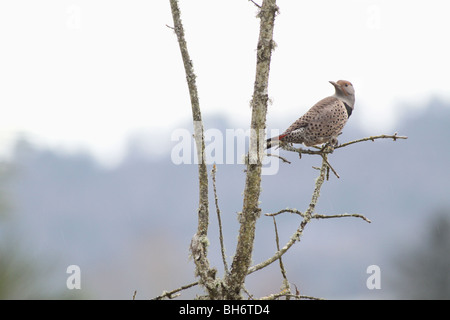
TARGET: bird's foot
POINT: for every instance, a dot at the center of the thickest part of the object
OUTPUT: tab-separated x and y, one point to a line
333	142
328	147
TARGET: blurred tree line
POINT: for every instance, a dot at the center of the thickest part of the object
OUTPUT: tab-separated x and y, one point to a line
17	271
21	276
424	269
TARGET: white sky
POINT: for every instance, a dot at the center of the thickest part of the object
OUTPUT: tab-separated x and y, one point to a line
90	74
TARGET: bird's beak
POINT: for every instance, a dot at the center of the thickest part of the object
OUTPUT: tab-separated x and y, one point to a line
333	83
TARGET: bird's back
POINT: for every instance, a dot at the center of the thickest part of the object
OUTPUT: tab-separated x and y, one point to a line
319	124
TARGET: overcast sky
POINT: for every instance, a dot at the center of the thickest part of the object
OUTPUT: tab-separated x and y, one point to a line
87	75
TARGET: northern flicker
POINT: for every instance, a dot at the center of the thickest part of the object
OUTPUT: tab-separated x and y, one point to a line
324	121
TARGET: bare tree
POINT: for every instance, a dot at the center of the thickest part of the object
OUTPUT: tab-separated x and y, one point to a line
231	285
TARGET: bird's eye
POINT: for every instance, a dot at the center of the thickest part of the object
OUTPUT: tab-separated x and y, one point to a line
346	84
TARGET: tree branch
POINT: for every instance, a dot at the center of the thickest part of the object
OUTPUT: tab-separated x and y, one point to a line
222	247
279	157
250	213
329	149
343	215
171	294
255	3
394	137
319	216
283	271
199	243
307	216
284	210
289	295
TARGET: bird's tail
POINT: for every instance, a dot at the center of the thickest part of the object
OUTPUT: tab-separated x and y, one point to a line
271	142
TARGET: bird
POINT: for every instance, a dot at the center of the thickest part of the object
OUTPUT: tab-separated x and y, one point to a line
323	122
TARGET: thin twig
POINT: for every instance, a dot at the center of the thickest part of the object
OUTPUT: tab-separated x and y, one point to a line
324	157
170	294
288	295
255	3
356	215
250	296
222	247
300	151
297	292
373	138
279	157
283	271
319	216
323	151
303	297
282	211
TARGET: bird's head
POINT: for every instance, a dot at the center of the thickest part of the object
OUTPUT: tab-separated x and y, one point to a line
344	90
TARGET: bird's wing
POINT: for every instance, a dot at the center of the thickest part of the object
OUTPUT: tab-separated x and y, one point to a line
319	113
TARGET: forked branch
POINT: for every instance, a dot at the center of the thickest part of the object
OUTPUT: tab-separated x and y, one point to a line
307	216
309	213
